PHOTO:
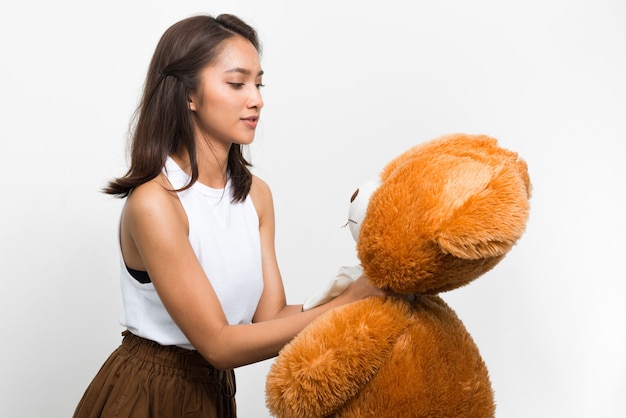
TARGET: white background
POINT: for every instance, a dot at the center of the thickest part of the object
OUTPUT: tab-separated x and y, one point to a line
350	84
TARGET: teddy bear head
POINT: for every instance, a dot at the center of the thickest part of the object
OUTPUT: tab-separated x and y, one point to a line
443	213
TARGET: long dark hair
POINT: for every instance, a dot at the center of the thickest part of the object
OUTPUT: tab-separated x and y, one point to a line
163	122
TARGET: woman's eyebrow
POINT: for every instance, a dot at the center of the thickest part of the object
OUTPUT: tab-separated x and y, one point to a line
243	71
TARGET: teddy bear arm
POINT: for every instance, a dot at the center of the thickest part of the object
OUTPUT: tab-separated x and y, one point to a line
333	358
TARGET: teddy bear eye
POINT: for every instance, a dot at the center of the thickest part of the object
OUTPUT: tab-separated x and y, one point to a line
354	195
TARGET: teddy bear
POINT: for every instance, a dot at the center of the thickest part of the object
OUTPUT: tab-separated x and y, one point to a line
442	214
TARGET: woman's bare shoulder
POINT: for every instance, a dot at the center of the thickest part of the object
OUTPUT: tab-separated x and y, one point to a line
262	197
259	184
155	198
260	190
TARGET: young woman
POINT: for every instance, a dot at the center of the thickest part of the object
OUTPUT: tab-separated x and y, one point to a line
201	287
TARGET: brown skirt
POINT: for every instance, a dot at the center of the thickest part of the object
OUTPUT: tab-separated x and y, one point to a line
144	379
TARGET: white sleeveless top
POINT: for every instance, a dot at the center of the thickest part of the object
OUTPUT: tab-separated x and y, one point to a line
225	238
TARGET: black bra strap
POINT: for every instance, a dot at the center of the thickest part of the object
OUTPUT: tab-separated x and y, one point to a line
139	275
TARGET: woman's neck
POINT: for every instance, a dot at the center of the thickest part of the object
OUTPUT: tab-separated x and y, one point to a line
212	165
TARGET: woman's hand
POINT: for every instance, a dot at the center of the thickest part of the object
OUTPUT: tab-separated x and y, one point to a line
360	289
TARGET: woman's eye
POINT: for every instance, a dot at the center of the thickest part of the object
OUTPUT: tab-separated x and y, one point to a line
236	85
259	85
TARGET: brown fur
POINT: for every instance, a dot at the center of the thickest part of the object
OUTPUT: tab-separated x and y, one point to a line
447	211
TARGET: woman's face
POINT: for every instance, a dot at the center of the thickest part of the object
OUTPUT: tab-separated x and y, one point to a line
228	102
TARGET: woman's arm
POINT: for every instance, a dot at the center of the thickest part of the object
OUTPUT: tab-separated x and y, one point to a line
154	233
273	303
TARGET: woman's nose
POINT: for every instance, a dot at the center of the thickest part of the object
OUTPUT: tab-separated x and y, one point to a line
255	100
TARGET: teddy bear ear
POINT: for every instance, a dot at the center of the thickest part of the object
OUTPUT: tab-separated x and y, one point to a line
490	214
358	206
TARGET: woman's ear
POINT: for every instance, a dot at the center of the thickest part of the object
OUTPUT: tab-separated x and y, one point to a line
192	102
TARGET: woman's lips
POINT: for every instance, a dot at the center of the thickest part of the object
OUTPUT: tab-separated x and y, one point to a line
251	121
